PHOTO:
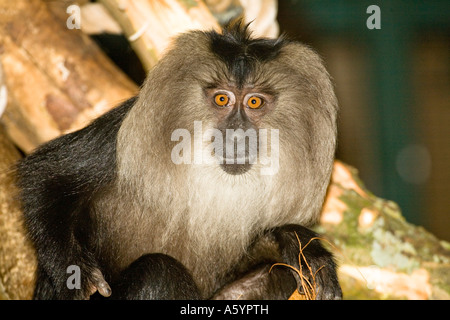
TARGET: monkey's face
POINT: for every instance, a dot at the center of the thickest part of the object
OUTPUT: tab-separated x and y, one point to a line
265	103
239	96
238	113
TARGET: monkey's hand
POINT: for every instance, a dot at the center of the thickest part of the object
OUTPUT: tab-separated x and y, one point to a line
96	282
318	270
320	280
57	286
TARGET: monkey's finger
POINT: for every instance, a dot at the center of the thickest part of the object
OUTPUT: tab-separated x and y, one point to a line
104	289
100	283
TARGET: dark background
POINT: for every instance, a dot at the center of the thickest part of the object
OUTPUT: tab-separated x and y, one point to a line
393	85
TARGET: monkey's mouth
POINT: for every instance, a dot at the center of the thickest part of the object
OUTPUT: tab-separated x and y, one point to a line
235	169
238	153
239	164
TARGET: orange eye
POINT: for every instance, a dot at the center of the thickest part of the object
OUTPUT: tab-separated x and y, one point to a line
254	102
221	99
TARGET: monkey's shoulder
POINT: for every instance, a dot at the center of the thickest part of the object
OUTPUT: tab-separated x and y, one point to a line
75	161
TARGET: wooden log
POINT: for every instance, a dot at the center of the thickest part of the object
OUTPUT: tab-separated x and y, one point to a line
57	79
262	14
381	255
150	25
17	257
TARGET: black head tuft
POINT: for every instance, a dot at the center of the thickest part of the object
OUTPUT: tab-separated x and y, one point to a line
240	51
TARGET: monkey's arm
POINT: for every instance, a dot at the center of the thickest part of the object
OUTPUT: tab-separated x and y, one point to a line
268	281
56	185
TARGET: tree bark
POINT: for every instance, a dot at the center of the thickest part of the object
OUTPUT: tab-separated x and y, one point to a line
380	254
57	79
17	257
150	25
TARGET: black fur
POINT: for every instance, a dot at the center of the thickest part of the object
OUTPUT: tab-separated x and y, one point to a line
157	277
239	51
262	279
57	182
315	256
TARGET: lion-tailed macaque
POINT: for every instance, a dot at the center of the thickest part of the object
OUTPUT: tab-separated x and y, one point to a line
197	186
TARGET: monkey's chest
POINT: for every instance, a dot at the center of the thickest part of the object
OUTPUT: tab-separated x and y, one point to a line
207	246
